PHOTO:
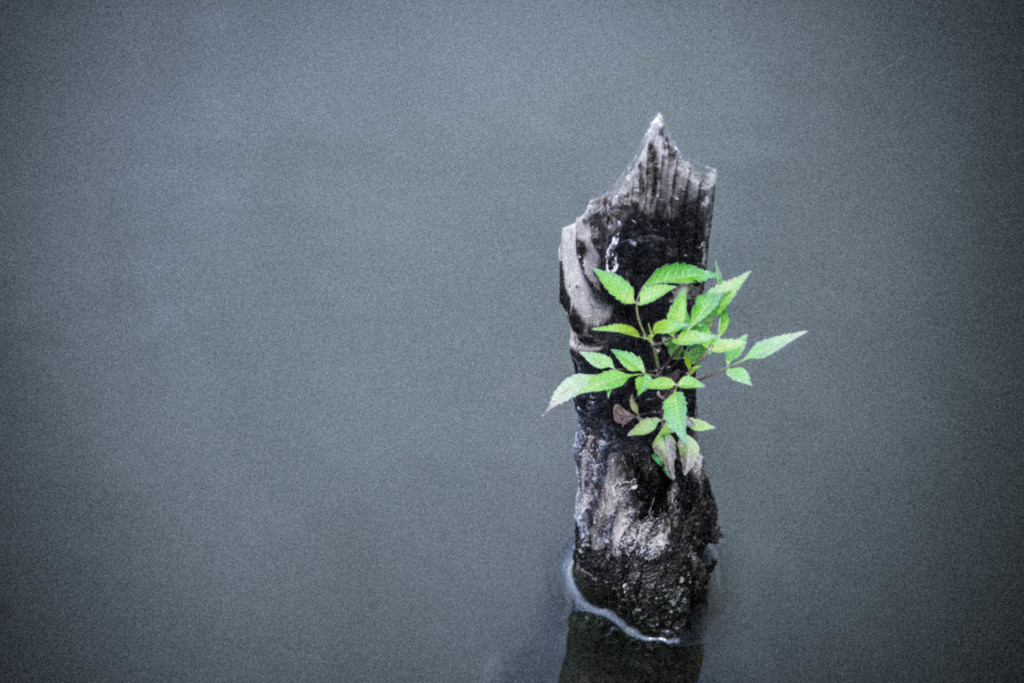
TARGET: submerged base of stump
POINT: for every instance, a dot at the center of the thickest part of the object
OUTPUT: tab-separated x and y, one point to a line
595	652
641	547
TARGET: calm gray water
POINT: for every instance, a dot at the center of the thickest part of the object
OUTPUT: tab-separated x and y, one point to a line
279	318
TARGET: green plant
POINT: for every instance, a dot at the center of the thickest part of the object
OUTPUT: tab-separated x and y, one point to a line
680	343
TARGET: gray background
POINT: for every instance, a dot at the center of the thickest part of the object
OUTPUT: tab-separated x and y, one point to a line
279	318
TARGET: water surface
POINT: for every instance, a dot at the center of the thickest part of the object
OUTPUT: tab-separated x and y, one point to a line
279	318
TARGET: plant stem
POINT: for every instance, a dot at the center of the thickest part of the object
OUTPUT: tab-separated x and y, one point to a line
648	337
712	374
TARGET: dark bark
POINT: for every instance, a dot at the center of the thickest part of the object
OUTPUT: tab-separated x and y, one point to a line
641	539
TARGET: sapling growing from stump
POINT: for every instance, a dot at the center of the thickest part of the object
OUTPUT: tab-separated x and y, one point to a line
690	333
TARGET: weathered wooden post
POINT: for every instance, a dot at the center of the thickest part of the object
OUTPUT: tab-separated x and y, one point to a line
641	547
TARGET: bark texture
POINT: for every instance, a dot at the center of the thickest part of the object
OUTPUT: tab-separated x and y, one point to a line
641	539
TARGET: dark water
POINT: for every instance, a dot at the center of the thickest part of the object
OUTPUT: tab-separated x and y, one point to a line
279	318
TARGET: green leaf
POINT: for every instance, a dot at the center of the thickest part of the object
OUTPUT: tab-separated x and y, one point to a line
651	293
598	360
727	345
698	425
693	355
723	322
739	375
633	406
767	347
691	337
607	380
661	383
574	385
642	382
629	360
678	274
689	382
677	311
620	328
730	356
690	443
730	286
703	306
645	426
668	326
617	286
674	410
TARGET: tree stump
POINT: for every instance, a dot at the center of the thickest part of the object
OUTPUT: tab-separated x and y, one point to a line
641	542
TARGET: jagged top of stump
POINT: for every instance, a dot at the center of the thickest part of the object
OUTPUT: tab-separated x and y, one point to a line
659	213
660	183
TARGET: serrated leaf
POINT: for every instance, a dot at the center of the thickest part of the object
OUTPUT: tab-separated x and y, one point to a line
642	383
661	383
698	425
703	306
620	328
629	360
668	326
678	274
767	347
598	360
677	311
689	382
732	285
727	345
730	356
739	375
674	410
691	337
617	286
728	289
645	426
607	380
574	385
651	293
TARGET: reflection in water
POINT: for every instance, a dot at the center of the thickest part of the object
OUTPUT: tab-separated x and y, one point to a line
573	640
597	650
601	647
